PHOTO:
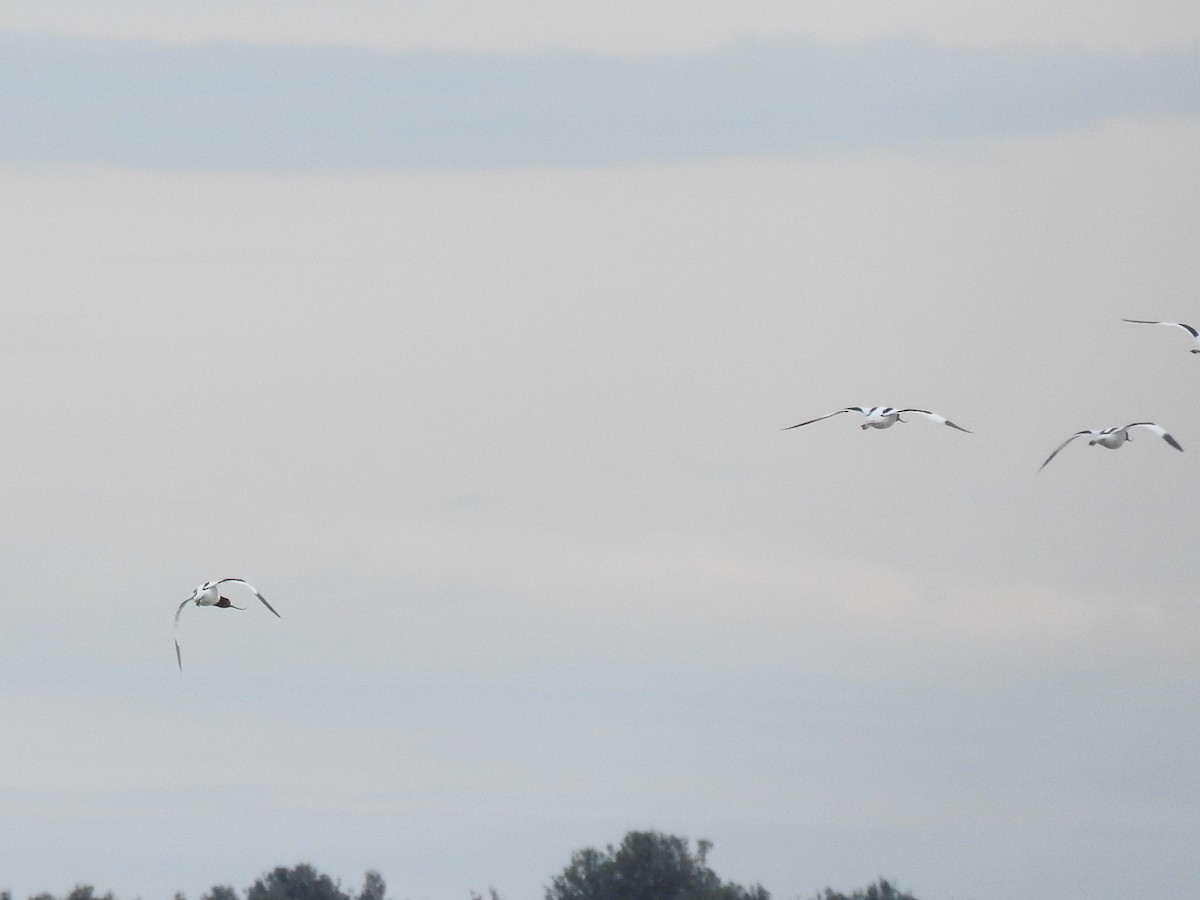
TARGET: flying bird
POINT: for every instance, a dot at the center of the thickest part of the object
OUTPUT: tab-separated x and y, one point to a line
209	594
881	417
1113	438
1188	328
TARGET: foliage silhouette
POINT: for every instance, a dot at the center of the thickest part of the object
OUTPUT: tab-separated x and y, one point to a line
882	890
374	887
86	892
647	866
302	882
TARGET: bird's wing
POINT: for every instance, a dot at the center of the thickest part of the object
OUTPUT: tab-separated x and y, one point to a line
830	416
178	656
1157	429
940	419
1060	446
253	591
1188	328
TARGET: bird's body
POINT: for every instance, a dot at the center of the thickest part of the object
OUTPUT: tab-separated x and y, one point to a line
881	417
1188	328
1113	438
209	594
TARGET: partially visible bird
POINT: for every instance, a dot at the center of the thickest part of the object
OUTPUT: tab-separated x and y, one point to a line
881	417
209	594
1188	328
1113	438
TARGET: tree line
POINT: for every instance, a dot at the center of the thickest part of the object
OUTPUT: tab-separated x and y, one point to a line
646	865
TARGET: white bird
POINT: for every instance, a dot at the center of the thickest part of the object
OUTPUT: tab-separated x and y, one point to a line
209	594
1113	438
881	417
1188	328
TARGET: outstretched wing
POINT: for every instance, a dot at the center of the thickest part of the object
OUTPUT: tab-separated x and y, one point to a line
252	590
1188	328
1060	446
181	606
857	409
1157	429
178	655
940	419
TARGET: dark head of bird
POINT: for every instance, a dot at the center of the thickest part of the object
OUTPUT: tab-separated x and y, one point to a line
224	603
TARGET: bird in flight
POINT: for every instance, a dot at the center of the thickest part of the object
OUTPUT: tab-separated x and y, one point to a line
209	594
881	417
1188	328
1113	438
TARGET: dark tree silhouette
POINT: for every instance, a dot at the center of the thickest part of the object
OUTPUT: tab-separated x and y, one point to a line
647	866
86	892
881	890
79	892
374	887
302	882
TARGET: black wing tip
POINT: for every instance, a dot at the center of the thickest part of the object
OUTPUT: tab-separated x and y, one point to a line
809	422
1184	325
822	418
945	421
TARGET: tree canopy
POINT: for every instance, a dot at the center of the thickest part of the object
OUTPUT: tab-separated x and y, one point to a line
882	890
646	866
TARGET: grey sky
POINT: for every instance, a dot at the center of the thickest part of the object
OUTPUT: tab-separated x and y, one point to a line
501	444
621	27
238	106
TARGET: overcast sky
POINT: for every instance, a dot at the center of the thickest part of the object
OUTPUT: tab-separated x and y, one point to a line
466	332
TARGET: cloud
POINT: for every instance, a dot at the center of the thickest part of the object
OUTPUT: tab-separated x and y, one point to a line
229	106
